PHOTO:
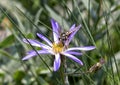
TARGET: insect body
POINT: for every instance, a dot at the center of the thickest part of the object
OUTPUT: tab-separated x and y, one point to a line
96	66
65	35
92	69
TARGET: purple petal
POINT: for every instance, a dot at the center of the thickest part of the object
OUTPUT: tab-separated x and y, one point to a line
73	53
36	43
73	32
73	58
44	38
57	62
72	27
86	48
29	52
34	53
32	42
56	30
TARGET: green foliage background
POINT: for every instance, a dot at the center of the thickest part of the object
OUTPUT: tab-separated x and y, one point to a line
24	18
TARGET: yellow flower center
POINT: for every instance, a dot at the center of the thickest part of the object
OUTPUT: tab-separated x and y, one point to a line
57	47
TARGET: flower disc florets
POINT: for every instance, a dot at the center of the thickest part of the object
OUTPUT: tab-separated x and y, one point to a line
57	47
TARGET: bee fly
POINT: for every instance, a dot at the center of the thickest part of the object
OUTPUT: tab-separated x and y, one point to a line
96	66
65	35
92	69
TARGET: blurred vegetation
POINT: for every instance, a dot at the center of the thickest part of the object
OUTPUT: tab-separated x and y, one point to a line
24	18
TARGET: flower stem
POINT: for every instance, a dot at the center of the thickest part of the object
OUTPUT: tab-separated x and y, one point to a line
64	67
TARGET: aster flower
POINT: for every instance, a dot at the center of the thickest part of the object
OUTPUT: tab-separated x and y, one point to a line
57	48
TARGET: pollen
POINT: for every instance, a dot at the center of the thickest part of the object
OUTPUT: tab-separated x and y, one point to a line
58	47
